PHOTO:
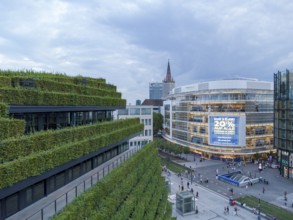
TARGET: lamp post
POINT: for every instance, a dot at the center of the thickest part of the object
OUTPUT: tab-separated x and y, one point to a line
259	207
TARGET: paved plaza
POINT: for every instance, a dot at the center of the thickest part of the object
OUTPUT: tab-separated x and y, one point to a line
214	195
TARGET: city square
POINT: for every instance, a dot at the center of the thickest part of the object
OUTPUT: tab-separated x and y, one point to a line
214	196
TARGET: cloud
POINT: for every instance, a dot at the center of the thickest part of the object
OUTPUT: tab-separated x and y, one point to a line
129	42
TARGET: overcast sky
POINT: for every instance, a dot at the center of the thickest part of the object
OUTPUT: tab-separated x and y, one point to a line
129	42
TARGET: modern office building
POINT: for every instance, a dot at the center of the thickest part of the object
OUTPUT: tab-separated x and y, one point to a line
145	115
222	119
54	130
283	121
156	90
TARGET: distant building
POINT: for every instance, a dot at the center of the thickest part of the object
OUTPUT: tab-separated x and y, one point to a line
283	121
168	83
156	90
138	102
156	103
145	114
160	90
222	119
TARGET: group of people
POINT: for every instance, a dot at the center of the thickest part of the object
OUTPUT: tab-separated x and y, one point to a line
226	210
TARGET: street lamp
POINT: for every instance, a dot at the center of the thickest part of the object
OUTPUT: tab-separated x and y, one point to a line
258	206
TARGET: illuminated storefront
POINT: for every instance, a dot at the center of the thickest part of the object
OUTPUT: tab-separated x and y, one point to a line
222	119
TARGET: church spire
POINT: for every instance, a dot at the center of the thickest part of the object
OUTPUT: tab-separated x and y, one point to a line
168	75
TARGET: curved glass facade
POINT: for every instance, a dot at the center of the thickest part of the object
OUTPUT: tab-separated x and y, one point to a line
221	120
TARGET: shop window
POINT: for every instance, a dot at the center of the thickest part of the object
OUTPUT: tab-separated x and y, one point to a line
259	142
259	131
202	130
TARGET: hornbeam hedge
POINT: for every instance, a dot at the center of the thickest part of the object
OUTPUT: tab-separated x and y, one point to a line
11	128
62	78
37	97
16	147
36	163
50	85
135	190
33	88
3	110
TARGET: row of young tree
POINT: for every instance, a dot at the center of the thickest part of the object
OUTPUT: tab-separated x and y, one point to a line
134	190
171	147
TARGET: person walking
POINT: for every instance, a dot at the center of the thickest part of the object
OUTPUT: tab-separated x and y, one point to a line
228	210
235	210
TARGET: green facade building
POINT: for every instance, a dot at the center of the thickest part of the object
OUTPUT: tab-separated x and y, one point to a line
54	129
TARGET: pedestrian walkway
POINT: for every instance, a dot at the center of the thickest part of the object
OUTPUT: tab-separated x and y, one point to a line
209	203
217	193
274	190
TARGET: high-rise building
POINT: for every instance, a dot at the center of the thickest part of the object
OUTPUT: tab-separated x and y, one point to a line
222	119
168	83
283	121
156	90
56	130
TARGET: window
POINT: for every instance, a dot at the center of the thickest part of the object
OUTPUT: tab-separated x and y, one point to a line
259	131
60	180
38	191
88	165
69	175
134	111
123	112
76	171
150	132
28	195
145	132
51	184
12	204
145	111
202	130
150	121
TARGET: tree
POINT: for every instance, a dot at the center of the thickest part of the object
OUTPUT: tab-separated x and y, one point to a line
157	122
